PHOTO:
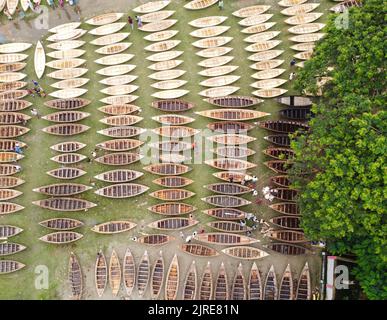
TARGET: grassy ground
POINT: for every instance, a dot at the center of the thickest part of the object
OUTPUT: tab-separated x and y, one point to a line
20	285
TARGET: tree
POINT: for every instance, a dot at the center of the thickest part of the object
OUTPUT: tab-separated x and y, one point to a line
344	199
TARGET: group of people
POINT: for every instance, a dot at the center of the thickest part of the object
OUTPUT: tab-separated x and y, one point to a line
37	89
138	20
268	193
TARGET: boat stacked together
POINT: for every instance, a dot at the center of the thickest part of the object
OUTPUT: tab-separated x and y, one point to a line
263	47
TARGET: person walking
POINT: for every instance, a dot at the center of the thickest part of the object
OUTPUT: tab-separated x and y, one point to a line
61	3
221	5
131	23
293	62
139	21
35	113
291	76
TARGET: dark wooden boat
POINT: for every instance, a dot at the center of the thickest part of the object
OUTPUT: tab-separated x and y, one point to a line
119	109
238	291
286	285
121	120
221	284
223	239
129	272
228	188
233	152
10	182
288	222
173	224
232	114
288	249
295	101
281	140
62	224
66	116
231	139
8	248
233	176
289	236
176	132
119	175
68	158
8	169
12	131
8	231
143	273
279	153
278	166
173	119
69	129
171	146
70	146
100	273
345	5
9	207
119	158
226	213
16	85
13	117
226	201
199	250
301	114
283	126
157	277
288	208
119	144
7	194
155	239
65	204
229	164
271	287
10	157
75	277
67	104
173	182
113	227
190	283
8	266
228	226
66	173
230	127
122	132
172	279
13	94
9	145
61	237
168	169
14	105
245	253
12	67
172	194
172	208
304	291
285	194
62	189
122	190
234	101
114	273
281	181
206	284
254	284
172	105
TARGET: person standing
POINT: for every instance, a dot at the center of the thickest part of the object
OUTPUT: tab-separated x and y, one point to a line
291	76
131	23
61	3
221	5
293	62
139	21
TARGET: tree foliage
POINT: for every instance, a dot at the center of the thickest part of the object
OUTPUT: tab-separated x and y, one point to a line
344	199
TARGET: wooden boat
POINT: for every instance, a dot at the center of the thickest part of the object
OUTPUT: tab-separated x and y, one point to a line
268	74
8	208
286	285
209	31
228	188
65	27
110	39
165	65
234	101
66	45
251	11
170	94
8	231
157	26
199	250
281	140
68	35
75	277
66	54
299	9
155	239
262	46
164	56
288	236
10	182
8	248
11	76
254	284
232	114
68	73
100	273
290	3
17	85
230	164
306	28
258	28
219	91
114	273
122	190
129	272
110	60
190	283
65	63
255	20
206	284
152	6
286	194
227	226
12	57
161	35
9	145
66	129
262	36
173	182
121	120
8	169
288	208
304	46
227	127
12	131
223	239
114	48
119	158
303	18
121	99
157	277
271	287
14	47
212	42
12	67
162	46
8	266
116	70
281	181
175	131
283	126
157	16
268	83
309	37
199	4
171	146
107	29
172	280
10	157
173	119
278	166
172	194
119	176
172	105
305	55
288	222
70	83
225	213
213	52
231	139
105	19
167	169
7	194
172	208
345	5
68	93
221	291
14	105
218	71
122	132
65	204
267	64
173	224
245	253
304	291
61	237
167	75
269	92
120	109
113	227
238	290
265	55
300	114
68	158
206	22
62	189
288	249
219	81
67	104
143	273
119	144
63	224
70	146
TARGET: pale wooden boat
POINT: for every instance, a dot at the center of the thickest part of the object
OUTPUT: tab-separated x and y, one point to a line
75	277
238	290
11	6
105	19
231	139
268	93
172	280
167	74
172	194
116	70
303	18
290	3
152	6
306	28
120	159
100	273
66	45
219	91
251	11
190	283
218	71
68	158
226	201
8	231
129	272
162	45
213	52
304	46
119	176
111	60
10	157
157	276
155	239
209	32
165	65
167	169
172	208
309	37
169	224
9	266
173	119
65	27
219	81
229	164
13	118
72	34
271	286
8	169
169	84
288	236
61	237
114	273
304	289
228	188
70	83
206	284
14	47
65	63
119	144
107	29
63	224
164	56
267	64
67	104
211	42
220	238
10	182
122	99
221	291
9	207
255	19
68	93
119	109
120	90
245	253
305	55
17	85
255	284
143	273
110	39
66	173
199	4
9	145
173	158
215	62
114	48
230	126
232	114
65	204
122	190
170	94
12	57
299	9
268	74
118	80
11	76
161	35
269	83
113	227
158	25
262	36
7	194
69	73
157	16
122	132
263	46
12	67
206	22
12	131
173	182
